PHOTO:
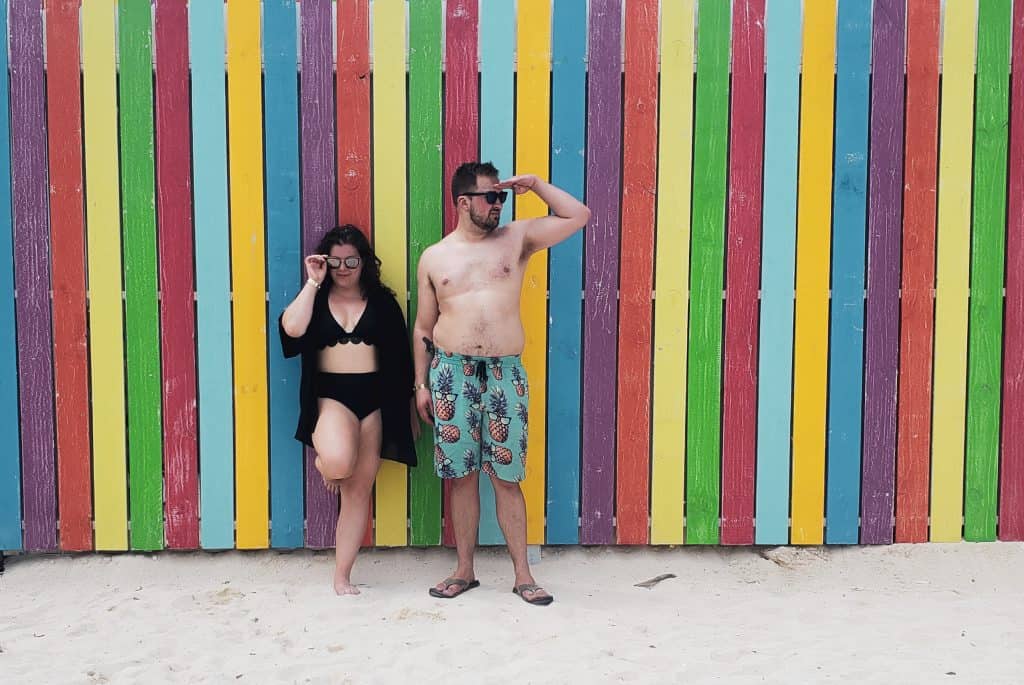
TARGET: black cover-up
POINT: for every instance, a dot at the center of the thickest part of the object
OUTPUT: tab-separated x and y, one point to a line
381	325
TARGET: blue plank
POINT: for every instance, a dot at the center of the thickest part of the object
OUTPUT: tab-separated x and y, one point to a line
568	125
213	278
778	262
284	263
497	106
849	192
10	444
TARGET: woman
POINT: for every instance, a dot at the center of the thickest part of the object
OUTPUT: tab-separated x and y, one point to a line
357	376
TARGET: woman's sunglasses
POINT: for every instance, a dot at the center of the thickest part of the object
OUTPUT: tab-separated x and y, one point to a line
491	196
336	262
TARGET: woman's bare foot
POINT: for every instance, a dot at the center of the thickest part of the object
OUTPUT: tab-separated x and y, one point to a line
342	586
333	486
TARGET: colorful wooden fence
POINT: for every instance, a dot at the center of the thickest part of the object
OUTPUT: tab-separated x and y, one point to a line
796	316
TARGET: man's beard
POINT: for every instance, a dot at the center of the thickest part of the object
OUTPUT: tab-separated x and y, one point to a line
485	222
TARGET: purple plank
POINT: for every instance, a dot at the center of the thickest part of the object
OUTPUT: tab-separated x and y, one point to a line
318	211
602	263
32	275
883	278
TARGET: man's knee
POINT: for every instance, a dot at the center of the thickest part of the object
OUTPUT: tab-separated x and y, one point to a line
505	486
467	482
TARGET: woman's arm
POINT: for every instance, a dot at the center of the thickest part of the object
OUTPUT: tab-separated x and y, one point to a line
297	315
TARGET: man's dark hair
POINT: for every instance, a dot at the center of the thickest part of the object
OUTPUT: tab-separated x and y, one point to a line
464	179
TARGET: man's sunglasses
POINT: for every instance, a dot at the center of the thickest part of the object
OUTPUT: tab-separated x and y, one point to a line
491	196
336	262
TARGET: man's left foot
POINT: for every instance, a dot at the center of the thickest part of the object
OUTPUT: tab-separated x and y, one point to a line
533	594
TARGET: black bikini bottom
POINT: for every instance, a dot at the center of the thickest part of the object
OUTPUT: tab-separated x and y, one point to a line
360	392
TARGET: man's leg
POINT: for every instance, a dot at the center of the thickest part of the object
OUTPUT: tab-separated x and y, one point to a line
511	509
465	512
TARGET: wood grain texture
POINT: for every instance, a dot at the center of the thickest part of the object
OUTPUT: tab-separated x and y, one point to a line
810	356
248	275
1011	468
285	273
461	126
67	248
29	192
355	203
778	263
497	110
141	312
988	257
600	311
426	198
704	375
878	488
213	276
672	272
913	451
743	268
390	219
103	235
849	220
177	284
532	155
565	305
636	273
316	119
952	267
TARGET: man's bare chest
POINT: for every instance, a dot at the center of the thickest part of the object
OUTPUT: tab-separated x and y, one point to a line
462	274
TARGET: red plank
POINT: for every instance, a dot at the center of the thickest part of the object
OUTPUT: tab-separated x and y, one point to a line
353	126
461	127
353	114
639	173
743	268
1011	500
913	451
70	351
177	301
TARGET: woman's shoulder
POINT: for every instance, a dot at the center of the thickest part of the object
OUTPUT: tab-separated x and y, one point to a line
382	296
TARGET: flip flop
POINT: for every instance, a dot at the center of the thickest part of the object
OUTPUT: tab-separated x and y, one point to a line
466	586
531	587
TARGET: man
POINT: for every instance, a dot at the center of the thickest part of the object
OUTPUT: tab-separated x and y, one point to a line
469	336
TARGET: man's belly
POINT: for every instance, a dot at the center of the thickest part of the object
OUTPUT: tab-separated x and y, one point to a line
479	326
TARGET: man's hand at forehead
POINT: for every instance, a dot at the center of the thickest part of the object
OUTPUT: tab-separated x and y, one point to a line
519	184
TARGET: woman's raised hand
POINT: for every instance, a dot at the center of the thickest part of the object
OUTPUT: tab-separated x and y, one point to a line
316	267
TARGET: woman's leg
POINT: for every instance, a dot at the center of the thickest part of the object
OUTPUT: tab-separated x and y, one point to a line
355	503
336	441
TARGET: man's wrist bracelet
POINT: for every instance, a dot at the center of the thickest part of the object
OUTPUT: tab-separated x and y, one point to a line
420	385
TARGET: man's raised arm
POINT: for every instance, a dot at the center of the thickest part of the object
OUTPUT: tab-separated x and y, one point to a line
568	214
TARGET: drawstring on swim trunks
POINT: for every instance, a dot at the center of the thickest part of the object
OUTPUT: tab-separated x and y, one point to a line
481	371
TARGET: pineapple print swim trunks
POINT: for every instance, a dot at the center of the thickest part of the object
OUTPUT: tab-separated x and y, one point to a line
480	415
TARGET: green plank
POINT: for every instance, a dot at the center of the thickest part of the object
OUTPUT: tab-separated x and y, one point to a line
425	216
984	371
142	327
704	377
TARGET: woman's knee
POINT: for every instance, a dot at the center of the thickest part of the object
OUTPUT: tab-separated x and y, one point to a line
337	464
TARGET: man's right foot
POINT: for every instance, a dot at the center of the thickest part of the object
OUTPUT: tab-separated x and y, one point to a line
453	586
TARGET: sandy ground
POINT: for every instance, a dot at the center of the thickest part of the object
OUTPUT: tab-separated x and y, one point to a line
900	614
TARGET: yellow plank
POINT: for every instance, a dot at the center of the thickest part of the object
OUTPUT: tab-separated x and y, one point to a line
810	363
248	277
103	231
533	109
672	269
952	270
389	222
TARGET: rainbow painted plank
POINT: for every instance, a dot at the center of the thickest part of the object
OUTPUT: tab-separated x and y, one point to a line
796	315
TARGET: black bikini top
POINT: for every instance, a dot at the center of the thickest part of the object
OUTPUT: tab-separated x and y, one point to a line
328	332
